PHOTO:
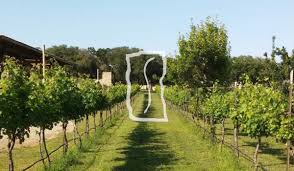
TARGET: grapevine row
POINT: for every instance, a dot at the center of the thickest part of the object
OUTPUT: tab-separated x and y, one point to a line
256	110
28	99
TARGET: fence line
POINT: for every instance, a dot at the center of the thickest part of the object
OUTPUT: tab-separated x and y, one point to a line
227	144
72	139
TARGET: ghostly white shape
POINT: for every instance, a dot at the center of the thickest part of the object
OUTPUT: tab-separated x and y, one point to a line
129	89
147	82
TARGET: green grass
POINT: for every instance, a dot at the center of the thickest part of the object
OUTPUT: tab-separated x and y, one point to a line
127	145
176	145
25	156
272	154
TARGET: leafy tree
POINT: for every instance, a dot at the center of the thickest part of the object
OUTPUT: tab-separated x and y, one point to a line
153	70
287	63
83	58
204	54
257	69
14	114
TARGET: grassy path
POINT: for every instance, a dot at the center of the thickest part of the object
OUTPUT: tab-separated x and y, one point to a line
176	145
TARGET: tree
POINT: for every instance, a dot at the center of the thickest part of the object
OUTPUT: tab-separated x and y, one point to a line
204	54
14	115
83	58
287	63
257	69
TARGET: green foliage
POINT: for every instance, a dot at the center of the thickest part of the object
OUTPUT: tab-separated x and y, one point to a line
43	105
262	108
93	98
14	92
118	93
286	129
67	94
256	108
257	69
204	54
177	94
105	59
216	105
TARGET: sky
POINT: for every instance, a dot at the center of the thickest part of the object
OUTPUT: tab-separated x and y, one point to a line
148	24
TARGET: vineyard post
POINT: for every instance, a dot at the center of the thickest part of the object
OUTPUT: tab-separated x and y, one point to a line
236	131
42	130
94	115
97	75
87	125
223	132
76	132
101	118
110	112
289	115
197	105
204	128
44	62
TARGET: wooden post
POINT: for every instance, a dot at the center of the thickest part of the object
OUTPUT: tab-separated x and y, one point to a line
289	115
44	62
1	58
236	130
97	75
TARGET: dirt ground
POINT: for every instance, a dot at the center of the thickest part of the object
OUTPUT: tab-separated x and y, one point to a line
34	137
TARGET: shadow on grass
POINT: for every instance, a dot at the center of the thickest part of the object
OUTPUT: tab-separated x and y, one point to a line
147	149
150	110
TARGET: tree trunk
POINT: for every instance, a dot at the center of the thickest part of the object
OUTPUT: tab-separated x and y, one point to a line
236	134
106	115
110	113
95	126
223	132
76	131
40	147
212	129
87	125
65	142
204	129
288	155
256	153
101	118
10	146
45	146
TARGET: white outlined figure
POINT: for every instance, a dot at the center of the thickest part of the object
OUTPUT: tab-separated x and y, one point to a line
128	100
147	82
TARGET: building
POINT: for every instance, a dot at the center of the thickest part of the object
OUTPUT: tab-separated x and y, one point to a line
106	79
27	55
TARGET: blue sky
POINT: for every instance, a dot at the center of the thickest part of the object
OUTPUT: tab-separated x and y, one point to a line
149	24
